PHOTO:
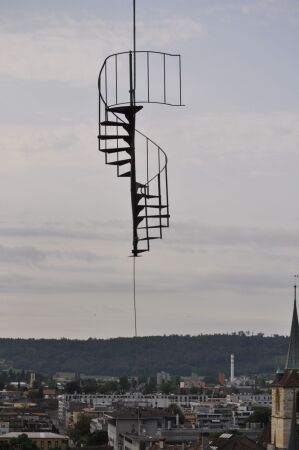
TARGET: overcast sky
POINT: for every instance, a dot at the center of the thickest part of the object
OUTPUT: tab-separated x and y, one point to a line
227	262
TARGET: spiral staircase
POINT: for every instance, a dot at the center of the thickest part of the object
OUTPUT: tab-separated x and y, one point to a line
117	135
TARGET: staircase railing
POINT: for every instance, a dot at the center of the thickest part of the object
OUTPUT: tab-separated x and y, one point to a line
117	111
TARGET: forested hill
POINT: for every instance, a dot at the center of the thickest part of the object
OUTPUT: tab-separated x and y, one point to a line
178	355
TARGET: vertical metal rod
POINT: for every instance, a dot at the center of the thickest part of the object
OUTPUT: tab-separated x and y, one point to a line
146	219
147	170
106	88
160	209
159	189
148	87
106	112
145	193
134	45
180	70
100	113
164	78
117	145
116	99
166	188
159	161
133	162
133	166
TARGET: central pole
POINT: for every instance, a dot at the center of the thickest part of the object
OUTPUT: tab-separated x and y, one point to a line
134	45
132	133
133	163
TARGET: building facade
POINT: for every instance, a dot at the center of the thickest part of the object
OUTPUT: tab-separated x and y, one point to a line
44	441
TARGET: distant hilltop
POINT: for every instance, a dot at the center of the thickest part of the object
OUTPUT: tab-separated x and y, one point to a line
178	355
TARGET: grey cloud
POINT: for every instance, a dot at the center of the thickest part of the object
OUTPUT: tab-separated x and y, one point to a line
237	282
32	255
95	231
29	285
23	284
199	234
21	255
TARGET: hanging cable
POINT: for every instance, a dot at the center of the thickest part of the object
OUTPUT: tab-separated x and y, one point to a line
134	295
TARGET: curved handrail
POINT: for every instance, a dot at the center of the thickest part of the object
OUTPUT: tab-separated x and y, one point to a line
137	51
122	103
147	52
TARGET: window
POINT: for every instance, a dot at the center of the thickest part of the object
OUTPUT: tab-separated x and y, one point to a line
277	401
297	402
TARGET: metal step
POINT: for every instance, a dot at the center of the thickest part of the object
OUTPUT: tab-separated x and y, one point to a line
125	174
112	123
141	218
150	237
148	196
160	216
127	110
153	226
105	137
151	196
121	162
116	150
140	185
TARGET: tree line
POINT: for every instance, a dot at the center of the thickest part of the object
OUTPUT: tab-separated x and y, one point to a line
176	354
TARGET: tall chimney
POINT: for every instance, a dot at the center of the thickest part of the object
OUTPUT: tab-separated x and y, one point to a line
232	368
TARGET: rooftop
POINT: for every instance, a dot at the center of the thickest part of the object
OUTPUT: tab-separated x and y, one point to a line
33	435
135	413
289	379
233	442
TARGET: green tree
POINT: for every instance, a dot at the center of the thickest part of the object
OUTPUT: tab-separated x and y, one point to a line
261	414
72	387
81	430
124	384
195	390
35	394
89	386
168	387
97	438
150	387
109	387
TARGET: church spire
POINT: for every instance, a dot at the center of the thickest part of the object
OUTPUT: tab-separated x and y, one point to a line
293	352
